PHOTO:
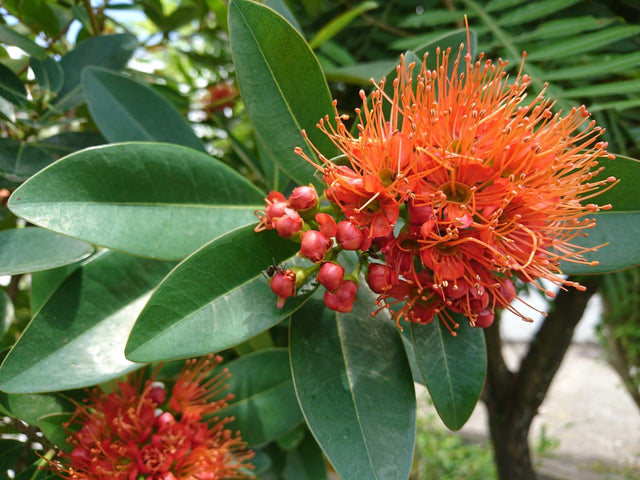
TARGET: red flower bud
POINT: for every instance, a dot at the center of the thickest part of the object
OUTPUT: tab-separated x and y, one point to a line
315	245
275	205
507	293
330	275
289	223
349	236
381	278
283	284
303	198
485	318
419	214
326	224
342	299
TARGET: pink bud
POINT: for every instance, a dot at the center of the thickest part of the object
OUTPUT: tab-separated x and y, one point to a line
381	278
315	245
283	284
342	299
485	318
419	214
303	198
507	293
158	394
349	236
326	224
164	419
275	205
330	276
289	223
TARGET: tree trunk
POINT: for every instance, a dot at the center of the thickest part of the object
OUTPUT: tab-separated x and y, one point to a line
513	398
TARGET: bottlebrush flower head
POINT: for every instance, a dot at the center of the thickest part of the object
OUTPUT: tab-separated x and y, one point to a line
462	183
140	430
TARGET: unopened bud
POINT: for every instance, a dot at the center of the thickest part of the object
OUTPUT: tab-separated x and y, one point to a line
331	275
314	245
381	278
349	236
283	284
303	198
342	299
289	223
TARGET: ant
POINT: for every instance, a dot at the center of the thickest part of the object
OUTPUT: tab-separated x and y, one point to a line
273	269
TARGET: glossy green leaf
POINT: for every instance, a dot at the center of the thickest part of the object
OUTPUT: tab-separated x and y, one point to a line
355	389
453	367
52	427
618	228
338	24
107	51
11	87
30	407
215	299
48	72
9	36
24	250
128	110
283	93
45	282
156	200
20	160
264	402
283	10
77	338
64	143
306	462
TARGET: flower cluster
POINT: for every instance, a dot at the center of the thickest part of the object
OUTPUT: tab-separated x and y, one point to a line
452	187
135	432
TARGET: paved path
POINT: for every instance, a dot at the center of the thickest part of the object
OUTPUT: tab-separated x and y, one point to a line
587	413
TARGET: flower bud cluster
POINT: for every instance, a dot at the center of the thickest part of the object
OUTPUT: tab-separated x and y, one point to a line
321	238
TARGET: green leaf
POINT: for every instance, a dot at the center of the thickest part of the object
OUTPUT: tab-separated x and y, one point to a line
283	94
338	24
9	36
52	427
45	282
355	389
264	402
11	87
215	299
24	250
108	51
30	407
48	72
534	11
619	227
157	200
453	367
6	312
20	160
128	110
65	143
306	462
362	73
77	338
594	91
583	43
603	66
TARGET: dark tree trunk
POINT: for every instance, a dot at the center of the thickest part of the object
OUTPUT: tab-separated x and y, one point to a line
513	398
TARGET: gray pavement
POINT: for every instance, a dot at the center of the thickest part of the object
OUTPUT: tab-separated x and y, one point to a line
590	425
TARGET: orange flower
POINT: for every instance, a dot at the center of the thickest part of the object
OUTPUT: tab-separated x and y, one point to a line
131	431
485	183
